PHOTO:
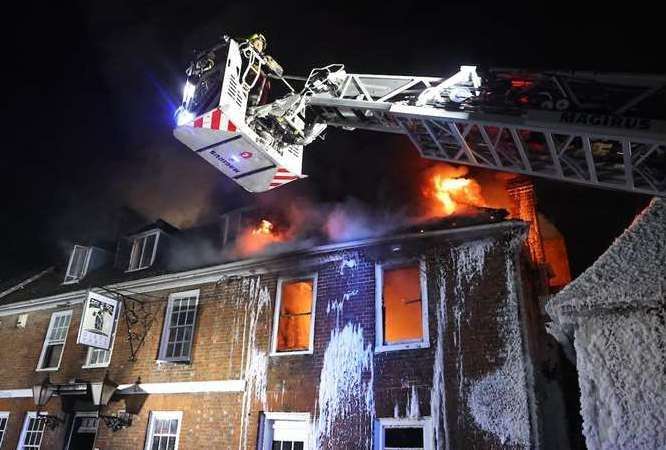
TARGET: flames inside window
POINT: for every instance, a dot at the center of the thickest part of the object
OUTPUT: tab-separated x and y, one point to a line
402	305
295	315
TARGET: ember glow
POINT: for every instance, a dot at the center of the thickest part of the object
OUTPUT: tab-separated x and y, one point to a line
447	191
254	240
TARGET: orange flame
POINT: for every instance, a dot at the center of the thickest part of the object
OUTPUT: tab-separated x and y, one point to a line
448	192
254	240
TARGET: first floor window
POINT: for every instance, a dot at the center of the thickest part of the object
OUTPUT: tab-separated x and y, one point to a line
294	319
285	431
163	430
179	322
54	342
32	432
98	357
4	418
401	306
404	434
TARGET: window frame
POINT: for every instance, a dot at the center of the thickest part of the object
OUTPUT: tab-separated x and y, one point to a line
84	269
143	236
54	315
163	415
380	267
24	429
164	341
276	314
269	418
71	428
3	431
382	424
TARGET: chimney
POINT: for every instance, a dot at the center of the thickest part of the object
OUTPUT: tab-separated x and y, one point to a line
523	207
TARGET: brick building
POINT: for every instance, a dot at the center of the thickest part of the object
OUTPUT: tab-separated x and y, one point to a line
426	338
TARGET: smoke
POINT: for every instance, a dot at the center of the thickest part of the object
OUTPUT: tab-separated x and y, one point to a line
282	221
352	220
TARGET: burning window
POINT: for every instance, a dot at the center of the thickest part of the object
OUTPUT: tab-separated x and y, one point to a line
295	305
143	251
401	307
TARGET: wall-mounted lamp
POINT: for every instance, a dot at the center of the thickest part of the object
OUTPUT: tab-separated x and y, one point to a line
41	394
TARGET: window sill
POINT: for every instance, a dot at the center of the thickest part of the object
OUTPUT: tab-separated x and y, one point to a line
50	369
72	281
173	362
294	353
95	366
404	346
137	269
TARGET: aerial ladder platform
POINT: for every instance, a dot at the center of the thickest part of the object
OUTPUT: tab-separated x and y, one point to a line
595	129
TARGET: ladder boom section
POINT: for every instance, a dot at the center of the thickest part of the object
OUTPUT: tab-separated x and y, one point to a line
566	134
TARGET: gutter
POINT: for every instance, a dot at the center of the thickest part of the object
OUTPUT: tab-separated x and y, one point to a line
248	266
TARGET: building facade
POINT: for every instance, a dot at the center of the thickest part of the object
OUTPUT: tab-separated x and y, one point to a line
414	340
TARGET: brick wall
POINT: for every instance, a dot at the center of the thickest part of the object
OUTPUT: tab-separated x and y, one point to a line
478	318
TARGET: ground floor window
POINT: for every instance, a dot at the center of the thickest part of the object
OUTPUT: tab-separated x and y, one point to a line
285	431
163	430
83	431
403	434
32	432
4	418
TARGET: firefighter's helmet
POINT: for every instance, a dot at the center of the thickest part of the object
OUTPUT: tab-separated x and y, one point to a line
258	39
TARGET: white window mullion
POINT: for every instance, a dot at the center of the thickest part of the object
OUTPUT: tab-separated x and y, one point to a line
4	418
164	430
179	326
32	432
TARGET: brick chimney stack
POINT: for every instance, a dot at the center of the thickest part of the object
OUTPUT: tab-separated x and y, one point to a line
523	207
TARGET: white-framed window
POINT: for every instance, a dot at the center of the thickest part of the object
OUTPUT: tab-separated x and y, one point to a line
401	305
293	321
163	430
32	432
4	418
179	323
83	430
54	342
78	264
144	248
285	431
404	434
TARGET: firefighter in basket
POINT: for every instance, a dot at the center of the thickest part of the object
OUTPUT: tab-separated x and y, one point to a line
256	76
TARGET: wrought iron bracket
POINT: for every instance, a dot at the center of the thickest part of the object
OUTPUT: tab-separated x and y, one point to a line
117	422
138	318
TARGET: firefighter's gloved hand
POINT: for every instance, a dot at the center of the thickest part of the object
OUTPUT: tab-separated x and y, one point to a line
273	66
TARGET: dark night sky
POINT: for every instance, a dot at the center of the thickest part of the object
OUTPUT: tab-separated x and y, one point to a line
91	88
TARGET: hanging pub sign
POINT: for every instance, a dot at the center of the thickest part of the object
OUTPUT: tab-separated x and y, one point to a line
98	321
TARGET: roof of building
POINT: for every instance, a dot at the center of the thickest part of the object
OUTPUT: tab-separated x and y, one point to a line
199	248
630	274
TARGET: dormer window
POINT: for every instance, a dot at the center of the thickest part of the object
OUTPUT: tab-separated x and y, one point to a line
78	264
144	248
